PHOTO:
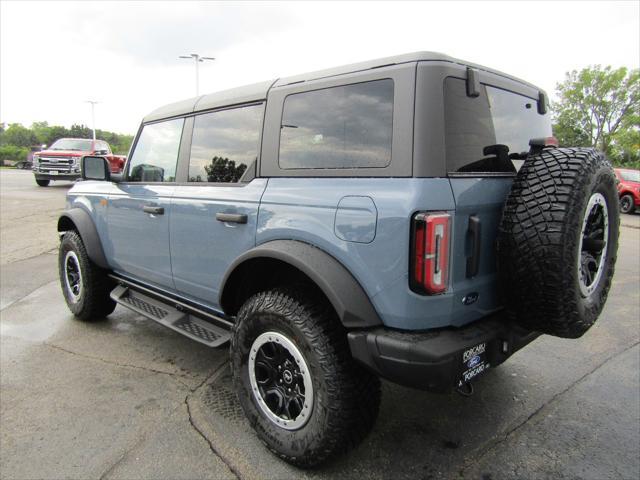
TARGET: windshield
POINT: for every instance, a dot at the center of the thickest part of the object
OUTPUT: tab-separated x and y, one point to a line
630	175
486	133
72	144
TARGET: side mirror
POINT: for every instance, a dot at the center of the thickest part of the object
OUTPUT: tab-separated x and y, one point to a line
101	152
95	168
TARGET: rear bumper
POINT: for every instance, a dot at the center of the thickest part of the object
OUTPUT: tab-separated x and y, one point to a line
439	360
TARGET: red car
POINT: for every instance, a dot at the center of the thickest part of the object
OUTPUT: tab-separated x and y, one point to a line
628	189
61	161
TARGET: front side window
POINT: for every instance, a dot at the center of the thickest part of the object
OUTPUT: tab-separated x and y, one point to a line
349	126
155	155
485	133
225	144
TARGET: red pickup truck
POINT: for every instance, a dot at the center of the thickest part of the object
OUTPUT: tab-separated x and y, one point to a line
61	161
628	189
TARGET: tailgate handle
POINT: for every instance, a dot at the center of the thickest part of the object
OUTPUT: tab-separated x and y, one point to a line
473	262
153	210
231	217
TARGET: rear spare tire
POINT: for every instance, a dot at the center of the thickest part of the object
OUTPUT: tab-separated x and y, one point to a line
558	241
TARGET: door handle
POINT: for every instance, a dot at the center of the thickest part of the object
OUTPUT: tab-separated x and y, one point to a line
473	262
153	210
231	217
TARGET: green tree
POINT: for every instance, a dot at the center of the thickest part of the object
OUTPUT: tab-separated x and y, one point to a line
80	131
56	132
11	152
41	131
223	170
599	107
18	136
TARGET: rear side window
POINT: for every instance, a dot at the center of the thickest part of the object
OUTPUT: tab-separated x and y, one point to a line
349	126
155	156
102	146
485	133
225	144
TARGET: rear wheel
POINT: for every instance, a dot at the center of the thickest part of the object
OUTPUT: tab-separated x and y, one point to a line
85	286
558	241
42	183
302	392
626	203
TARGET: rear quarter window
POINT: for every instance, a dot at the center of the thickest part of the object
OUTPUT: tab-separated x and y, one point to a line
343	127
477	129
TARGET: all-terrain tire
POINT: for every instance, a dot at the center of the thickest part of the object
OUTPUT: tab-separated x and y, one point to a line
42	183
626	203
541	238
346	397
88	299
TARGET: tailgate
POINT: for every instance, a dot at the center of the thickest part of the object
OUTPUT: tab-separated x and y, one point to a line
479	202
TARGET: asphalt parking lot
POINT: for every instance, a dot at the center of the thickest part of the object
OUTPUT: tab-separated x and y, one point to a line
127	398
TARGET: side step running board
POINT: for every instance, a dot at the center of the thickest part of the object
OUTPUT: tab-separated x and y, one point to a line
184	323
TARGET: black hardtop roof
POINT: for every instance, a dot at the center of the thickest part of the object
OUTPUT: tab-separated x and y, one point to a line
258	91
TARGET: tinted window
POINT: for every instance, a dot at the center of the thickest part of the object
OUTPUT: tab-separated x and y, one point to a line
156	153
339	127
225	144
485	133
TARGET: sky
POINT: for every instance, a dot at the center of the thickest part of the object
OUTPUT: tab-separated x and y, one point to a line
56	55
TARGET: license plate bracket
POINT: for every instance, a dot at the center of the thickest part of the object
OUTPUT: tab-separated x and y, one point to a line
474	363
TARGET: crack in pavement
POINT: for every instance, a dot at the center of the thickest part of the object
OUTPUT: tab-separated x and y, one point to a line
504	436
212	447
125	455
175	376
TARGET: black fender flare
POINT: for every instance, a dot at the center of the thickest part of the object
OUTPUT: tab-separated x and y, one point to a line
346	295
80	220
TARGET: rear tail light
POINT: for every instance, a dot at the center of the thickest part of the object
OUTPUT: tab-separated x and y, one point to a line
430	252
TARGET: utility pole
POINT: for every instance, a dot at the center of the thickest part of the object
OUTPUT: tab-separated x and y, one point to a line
197	59
93	116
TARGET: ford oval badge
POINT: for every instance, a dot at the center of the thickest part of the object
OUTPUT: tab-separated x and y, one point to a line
470	298
474	361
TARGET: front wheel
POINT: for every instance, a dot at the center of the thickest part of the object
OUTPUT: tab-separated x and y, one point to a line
42	183
297	383
626	203
85	286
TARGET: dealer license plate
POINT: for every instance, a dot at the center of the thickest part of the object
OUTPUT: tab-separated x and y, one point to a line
473	362
53	172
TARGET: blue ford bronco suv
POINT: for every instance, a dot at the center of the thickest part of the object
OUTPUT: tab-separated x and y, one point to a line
409	218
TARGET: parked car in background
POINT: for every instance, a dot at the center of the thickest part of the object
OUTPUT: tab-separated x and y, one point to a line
61	161
628	189
24	165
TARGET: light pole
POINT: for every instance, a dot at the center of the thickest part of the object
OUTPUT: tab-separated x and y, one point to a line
198	59
93	116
